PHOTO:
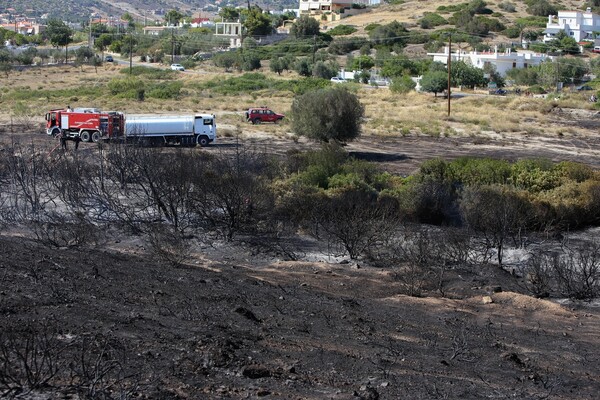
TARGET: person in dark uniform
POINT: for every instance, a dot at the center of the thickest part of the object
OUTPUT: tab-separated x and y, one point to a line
77	139
63	140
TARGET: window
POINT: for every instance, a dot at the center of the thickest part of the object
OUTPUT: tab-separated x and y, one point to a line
208	121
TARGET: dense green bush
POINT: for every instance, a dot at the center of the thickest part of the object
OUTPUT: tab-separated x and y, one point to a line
452	8
126	87
328	115
165	90
341	30
431	20
403	84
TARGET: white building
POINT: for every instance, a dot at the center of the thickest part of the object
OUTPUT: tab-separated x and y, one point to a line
576	24
503	61
333	9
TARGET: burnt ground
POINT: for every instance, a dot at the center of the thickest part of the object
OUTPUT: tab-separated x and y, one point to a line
231	323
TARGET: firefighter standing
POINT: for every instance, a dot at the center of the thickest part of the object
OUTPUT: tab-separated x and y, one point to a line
63	140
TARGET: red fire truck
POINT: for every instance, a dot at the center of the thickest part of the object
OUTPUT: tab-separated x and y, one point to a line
89	124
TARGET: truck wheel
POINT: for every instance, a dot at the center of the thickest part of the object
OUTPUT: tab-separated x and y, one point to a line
203	141
256	121
96	136
85	136
55	132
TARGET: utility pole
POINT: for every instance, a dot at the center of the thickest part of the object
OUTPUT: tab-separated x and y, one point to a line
314	48
449	65
172	45
131	53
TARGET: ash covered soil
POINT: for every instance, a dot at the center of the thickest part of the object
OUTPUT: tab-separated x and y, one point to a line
229	323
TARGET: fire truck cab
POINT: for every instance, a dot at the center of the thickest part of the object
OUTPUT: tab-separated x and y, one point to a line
88	124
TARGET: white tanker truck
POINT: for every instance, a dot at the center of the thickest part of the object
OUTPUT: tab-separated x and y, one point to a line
170	130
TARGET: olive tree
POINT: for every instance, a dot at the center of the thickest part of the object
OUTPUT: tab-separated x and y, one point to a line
434	82
332	114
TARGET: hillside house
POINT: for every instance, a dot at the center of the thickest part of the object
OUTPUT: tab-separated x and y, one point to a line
24	27
502	60
333	10
576	24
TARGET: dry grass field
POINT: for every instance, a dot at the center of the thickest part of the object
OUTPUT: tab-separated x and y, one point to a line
479	124
411	11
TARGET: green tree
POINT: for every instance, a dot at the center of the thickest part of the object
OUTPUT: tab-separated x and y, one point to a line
83	54
362	62
59	35
303	67
256	22
565	43
229	14
324	70
305	26
398	66
173	17
226	60
250	62
276	65
463	74
332	114
102	42
523	76
434	82
393	33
